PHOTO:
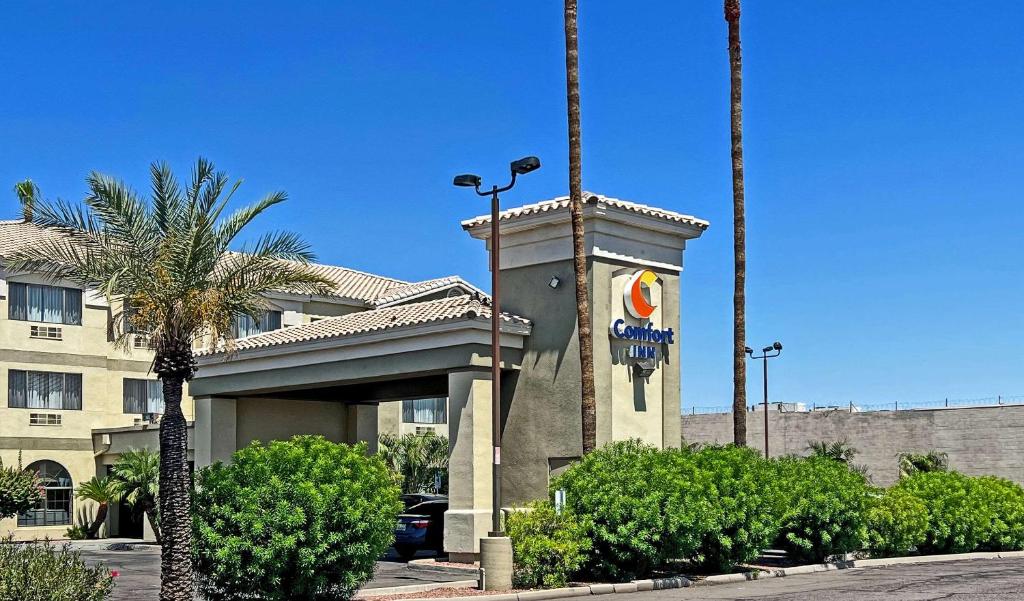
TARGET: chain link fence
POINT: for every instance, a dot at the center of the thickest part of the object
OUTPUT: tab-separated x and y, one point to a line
854	407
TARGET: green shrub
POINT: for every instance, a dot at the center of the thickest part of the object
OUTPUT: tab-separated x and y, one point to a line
897	522
547	548
19	491
742	492
300	519
913	463
959	521
76	532
1006	500
639	507
41	571
823	503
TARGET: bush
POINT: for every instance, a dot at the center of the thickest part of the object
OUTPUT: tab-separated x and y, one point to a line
300	519
743	495
547	548
913	463
19	491
43	571
897	522
823	506
968	514
76	532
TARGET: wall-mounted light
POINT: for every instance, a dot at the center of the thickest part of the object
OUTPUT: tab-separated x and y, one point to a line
643	369
554	282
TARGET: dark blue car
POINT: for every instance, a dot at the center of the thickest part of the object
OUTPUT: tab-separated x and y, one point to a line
421	527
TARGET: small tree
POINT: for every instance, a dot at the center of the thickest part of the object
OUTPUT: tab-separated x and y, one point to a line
137	481
916	463
837	450
19	490
103	491
418	459
305	519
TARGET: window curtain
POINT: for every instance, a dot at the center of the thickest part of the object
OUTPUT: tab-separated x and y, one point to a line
143	396
17	301
425	411
247	326
16	389
44	390
46	304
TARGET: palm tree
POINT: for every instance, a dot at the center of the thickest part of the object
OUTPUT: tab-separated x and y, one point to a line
739	299
579	252
137	481
103	491
168	262
417	459
837	450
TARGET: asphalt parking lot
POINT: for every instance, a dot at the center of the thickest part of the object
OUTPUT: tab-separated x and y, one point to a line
139	572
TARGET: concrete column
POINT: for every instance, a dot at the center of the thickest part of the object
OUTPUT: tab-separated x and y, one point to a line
468	518
362	425
215	430
389	418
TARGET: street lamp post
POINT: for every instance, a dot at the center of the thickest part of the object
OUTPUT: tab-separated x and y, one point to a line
520	167
765	356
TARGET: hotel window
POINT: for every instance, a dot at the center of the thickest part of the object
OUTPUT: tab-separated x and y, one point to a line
425	411
43	390
143	396
54	509
247	326
46	304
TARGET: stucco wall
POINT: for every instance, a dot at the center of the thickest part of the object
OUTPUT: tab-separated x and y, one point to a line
266	420
978	440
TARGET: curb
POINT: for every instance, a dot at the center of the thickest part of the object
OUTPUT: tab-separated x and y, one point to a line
414	588
682	582
430	565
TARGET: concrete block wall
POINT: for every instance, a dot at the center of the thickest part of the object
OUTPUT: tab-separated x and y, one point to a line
978	440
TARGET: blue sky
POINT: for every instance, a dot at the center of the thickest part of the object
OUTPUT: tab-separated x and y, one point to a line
883	151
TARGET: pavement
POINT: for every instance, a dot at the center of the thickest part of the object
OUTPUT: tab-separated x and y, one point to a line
971	580
139	570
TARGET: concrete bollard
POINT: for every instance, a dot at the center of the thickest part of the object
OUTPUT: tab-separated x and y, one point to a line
496	563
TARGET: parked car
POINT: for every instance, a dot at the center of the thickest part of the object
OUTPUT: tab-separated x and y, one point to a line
416	498
421	527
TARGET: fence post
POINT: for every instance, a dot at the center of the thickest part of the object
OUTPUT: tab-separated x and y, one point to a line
1000	397
897	405
947	402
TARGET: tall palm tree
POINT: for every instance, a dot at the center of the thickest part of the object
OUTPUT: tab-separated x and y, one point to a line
739	299
137	481
579	252
103	491
168	261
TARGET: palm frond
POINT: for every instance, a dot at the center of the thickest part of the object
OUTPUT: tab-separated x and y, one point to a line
230	227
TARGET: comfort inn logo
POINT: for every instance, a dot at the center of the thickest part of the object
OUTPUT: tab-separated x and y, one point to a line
639	301
637	294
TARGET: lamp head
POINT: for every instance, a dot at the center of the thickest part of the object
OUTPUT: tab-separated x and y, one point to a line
525	165
748	350
766	349
467	180
777	346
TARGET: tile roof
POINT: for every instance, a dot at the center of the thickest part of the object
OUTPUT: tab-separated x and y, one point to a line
464	307
369	289
562	202
17	233
409	290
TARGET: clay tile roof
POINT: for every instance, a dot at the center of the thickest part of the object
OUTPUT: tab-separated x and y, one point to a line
409	290
17	233
377	320
562	202
358	285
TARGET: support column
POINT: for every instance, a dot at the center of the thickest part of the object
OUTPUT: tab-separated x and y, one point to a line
215	430
468	518
362	425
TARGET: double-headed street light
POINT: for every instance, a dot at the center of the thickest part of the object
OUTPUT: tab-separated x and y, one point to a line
520	167
766	353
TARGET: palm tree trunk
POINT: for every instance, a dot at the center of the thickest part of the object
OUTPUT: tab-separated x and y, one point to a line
97	523
586	341
154	522
175	506
739	360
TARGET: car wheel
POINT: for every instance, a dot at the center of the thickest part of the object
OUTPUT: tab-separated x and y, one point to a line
405	551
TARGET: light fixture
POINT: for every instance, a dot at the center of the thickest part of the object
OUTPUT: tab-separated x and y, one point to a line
525	165
554	281
467	180
644	368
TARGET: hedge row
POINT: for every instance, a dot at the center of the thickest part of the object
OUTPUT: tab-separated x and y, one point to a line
632	510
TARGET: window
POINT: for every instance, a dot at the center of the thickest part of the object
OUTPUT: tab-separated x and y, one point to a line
247	326
43	390
55	508
143	396
46	304
425	411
